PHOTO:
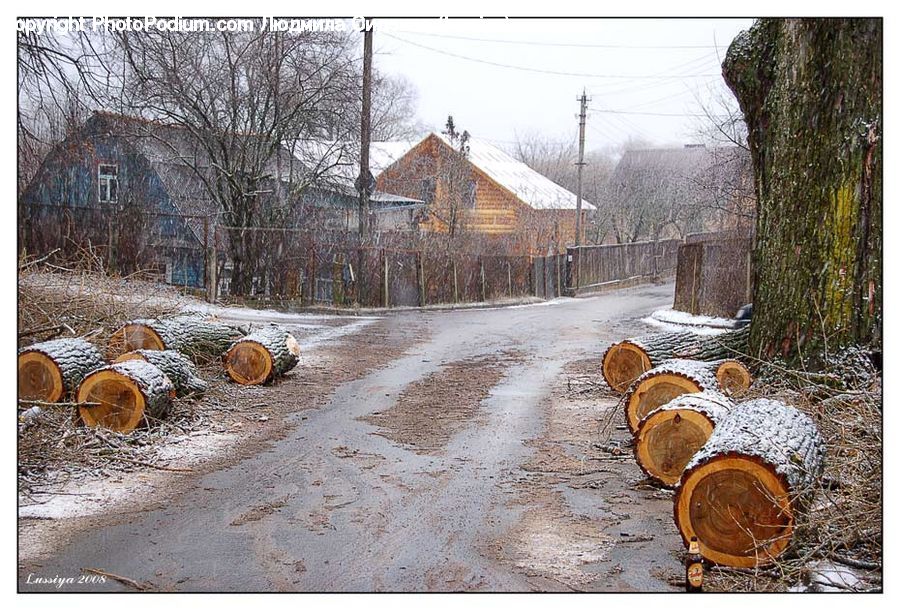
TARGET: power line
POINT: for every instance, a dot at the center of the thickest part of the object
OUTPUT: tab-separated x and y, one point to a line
651	114
536	43
541	71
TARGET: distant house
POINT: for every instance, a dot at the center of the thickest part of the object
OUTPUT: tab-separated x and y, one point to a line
671	192
482	190
134	190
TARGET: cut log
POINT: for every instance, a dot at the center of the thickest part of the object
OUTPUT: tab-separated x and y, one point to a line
51	371
665	382
733	377
741	493
190	335
625	361
129	393
262	356
669	436
177	367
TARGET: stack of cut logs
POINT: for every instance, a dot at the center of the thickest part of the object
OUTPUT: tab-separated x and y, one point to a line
741	470
152	363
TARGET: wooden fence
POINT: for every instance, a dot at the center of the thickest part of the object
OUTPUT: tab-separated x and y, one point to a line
594	267
714	276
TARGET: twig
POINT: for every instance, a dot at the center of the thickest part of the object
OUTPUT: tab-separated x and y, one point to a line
151	465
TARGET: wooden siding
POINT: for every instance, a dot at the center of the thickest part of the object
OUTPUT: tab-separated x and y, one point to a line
497	212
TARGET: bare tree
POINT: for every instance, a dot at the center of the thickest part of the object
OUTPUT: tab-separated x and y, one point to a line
243	98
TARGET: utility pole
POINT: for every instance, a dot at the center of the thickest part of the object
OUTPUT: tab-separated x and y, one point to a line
364	181
582	117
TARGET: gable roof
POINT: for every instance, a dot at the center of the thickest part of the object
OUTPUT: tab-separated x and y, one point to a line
528	185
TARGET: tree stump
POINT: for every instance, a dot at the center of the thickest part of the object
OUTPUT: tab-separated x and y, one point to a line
262	356
128	393
50	371
742	491
665	382
190	335
177	367
625	361
669	436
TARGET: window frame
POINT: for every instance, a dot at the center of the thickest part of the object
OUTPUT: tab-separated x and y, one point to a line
105	193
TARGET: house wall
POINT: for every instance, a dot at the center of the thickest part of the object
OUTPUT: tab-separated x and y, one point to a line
497	213
60	208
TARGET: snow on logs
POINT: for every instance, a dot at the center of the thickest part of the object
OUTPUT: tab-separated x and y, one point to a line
668	437
190	335
175	365
262	356
125	395
51	370
740	494
663	383
625	361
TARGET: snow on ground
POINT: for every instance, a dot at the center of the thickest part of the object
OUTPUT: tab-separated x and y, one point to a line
673	320
91	496
827	576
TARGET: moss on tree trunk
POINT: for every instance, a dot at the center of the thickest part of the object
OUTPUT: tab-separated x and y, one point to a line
811	94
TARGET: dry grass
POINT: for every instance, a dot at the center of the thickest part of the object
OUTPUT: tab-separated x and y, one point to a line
81	300
842	527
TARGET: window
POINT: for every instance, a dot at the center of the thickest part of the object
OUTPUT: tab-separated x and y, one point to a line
108	183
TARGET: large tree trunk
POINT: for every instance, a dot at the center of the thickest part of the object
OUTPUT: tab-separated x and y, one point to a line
124	396
810	91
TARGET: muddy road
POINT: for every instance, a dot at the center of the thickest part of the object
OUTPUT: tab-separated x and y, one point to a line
465	461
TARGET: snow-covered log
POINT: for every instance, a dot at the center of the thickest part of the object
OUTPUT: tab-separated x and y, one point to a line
262	356
191	335
669	436
625	361
740	494
50	371
663	383
177	367
128	394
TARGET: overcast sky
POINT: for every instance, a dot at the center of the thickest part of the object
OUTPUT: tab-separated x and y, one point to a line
501	78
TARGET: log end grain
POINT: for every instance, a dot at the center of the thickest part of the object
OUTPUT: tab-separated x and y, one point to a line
623	363
667	440
127	393
40	378
739	509
135	336
733	376
248	362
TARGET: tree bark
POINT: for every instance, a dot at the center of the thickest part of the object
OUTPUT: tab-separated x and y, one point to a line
625	361
811	94
177	367
191	335
741	493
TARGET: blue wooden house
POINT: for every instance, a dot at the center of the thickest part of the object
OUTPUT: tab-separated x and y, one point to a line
129	190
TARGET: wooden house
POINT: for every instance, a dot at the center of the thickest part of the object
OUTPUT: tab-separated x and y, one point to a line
133	191
477	189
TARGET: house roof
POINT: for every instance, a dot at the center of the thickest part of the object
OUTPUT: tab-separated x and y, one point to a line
528	185
339	165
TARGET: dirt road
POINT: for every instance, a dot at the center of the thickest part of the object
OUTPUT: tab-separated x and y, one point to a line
464	462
